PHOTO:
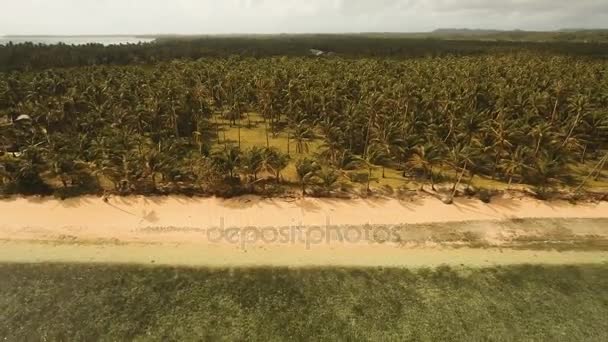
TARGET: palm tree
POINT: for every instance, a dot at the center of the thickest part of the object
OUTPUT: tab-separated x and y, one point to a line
462	158
328	179
595	127
157	162
502	135
577	104
306	170
333	142
26	170
228	161
597	171
542	136
514	165
373	157
275	161
302	134
387	142
5	177
547	170
427	157
252	162
200	172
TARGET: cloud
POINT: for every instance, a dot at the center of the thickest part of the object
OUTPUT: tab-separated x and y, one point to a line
266	16
519	6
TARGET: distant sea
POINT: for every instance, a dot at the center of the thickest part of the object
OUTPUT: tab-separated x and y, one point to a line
75	40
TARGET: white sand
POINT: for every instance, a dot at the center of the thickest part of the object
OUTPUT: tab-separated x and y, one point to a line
129	212
167	230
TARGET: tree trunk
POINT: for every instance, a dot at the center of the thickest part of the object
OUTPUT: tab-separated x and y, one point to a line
583	157
175	126
470	181
217	129
369	128
572	129
369	179
266	128
495	167
538	147
554	111
239	128
598	168
455	187
598	175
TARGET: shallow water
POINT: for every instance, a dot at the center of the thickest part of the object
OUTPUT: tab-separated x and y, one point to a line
109	40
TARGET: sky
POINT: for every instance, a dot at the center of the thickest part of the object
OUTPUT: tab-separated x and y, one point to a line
57	17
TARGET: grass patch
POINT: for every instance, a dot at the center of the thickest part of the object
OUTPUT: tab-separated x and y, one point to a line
253	133
80	302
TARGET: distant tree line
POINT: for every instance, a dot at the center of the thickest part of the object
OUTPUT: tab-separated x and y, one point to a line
32	56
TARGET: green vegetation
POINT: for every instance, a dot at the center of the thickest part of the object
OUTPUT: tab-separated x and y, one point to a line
83	303
562	36
384	45
230	126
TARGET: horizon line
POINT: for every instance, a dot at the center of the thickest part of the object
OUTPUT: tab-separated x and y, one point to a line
492	30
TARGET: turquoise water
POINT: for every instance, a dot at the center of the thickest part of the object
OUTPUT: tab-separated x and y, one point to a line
109	40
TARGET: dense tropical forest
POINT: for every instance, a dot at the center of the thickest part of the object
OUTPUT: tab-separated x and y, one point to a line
133	119
394	46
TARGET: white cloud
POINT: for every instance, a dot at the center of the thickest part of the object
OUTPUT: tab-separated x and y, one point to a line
264	16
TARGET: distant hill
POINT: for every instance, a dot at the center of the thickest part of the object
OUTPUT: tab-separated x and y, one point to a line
465	31
563	35
570	30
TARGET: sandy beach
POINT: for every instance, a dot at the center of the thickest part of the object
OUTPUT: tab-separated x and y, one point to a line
252	231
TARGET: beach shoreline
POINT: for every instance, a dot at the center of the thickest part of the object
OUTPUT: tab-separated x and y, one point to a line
245	211
280	232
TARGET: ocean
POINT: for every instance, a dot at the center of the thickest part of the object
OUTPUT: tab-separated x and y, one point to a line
75	40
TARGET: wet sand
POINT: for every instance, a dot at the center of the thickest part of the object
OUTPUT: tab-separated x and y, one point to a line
193	255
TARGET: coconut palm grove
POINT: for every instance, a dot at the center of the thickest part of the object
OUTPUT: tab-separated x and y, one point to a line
229	116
